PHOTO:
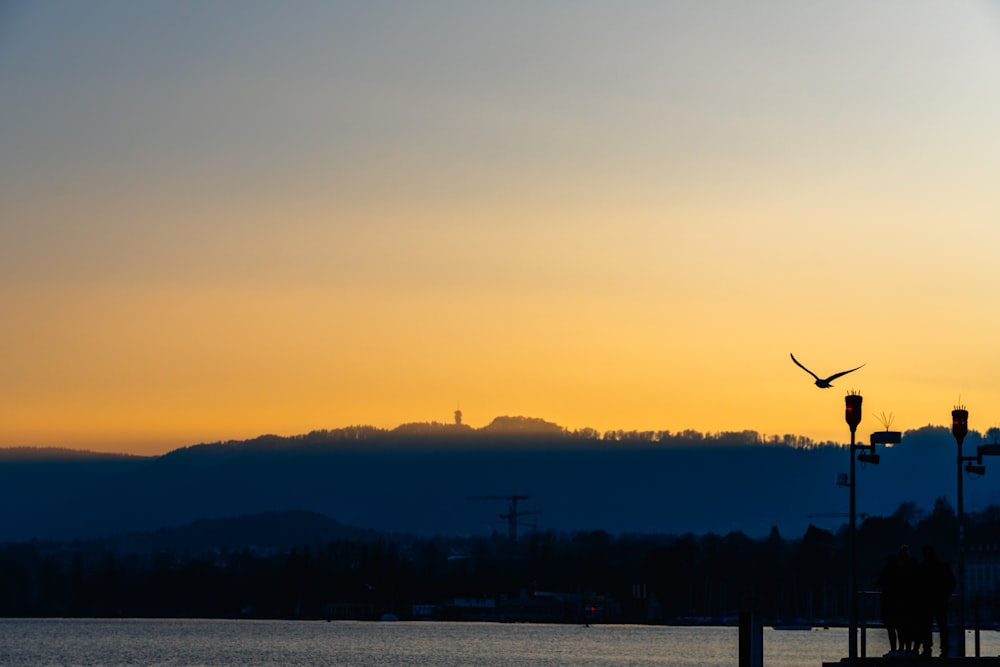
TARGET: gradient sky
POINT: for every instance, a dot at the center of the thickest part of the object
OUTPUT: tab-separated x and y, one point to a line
221	219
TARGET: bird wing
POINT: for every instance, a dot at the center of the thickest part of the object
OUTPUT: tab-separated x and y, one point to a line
837	375
806	369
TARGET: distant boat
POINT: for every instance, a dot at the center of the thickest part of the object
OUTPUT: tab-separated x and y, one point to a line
389	617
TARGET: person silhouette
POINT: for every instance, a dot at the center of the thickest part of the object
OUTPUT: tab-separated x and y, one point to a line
895	581
888	582
936	584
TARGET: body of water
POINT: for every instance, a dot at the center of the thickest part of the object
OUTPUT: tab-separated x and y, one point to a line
243	643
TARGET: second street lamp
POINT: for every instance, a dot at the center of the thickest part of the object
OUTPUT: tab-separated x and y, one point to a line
959	429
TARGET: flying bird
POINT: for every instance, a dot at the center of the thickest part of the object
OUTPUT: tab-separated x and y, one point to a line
821	382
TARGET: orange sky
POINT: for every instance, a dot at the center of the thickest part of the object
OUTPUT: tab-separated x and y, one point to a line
235	219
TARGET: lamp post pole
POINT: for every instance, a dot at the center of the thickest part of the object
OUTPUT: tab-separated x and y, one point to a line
852	414
959	429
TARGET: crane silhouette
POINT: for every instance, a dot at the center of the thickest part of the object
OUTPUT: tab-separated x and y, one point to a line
512	514
822	383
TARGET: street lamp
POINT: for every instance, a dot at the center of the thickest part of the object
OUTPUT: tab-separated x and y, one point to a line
959	429
852	415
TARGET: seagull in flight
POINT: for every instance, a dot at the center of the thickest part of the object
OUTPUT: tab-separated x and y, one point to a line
821	382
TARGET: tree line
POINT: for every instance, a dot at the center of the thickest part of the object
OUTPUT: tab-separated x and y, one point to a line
513	427
640	578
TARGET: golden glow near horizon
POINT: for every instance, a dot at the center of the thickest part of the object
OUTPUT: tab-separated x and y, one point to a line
232	219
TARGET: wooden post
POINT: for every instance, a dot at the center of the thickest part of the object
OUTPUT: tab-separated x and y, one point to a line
751	639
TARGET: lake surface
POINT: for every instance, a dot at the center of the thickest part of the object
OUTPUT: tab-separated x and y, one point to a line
243	643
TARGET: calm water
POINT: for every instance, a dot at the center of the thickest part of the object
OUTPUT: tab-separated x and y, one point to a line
201	643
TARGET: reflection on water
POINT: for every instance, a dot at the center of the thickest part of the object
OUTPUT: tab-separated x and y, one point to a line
205	643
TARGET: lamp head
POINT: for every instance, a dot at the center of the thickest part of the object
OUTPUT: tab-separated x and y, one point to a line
959	424
852	410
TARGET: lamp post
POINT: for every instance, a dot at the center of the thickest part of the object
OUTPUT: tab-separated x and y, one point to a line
959	429
852	415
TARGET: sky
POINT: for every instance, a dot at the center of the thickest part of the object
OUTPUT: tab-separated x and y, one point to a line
228	218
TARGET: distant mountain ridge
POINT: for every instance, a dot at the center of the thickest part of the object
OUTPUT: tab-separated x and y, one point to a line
515	426
57	453
518	428
418	483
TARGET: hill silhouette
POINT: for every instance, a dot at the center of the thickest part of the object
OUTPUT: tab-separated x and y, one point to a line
420	480
57	454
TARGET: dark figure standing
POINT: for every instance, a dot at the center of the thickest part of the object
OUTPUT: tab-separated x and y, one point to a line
937	583
890	582
909	624
898	582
